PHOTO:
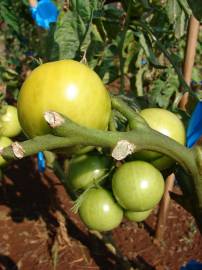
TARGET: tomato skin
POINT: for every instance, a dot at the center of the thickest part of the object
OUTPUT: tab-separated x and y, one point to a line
9	123
168	124
85	169
165	122
67	87
99	211
4	142
137	186
137	216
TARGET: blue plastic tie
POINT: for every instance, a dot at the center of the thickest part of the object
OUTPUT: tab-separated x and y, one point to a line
192	265
194	130
44	13
143	61
41	162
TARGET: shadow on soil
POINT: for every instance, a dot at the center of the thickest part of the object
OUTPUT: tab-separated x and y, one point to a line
30	196
7	264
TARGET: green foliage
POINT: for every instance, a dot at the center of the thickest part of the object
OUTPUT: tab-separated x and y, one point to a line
19	44
164	90
72	33
177	11
8	15
196	7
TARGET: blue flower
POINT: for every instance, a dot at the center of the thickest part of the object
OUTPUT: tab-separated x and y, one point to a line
194	130
44	13
41	162
192	265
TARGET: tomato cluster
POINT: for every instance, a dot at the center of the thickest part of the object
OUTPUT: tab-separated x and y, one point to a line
133	190
9	126
106	192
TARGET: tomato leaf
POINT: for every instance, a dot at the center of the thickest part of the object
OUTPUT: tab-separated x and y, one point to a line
163	90
173	10
72	34
196	8
144	42
176	14
7	15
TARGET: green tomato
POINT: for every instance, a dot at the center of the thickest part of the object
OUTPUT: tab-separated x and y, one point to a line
4	142
85	169
67	87
168	124
9	123
99	211
137	216
137	186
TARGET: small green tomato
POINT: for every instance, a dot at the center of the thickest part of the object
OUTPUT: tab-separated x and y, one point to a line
137	186
137	216
168	124
4	142
99	211
9	123
85	169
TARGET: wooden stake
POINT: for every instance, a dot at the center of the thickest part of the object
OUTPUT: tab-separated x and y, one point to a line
190	56
187	71
164	206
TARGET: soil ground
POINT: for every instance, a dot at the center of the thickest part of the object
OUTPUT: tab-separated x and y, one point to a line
38	231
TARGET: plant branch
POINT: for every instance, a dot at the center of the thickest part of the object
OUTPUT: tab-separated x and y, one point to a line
121	47
147	28
134	119
142	137
39	143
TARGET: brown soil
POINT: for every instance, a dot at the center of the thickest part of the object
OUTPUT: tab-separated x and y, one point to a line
34	235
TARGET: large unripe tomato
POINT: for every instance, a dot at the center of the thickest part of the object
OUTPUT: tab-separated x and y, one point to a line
85	169
4	142
67	87
9	123
166	123
137	216
99	211
137	186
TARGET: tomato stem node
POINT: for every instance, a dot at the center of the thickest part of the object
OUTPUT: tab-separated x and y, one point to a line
18	150
54	119
122	149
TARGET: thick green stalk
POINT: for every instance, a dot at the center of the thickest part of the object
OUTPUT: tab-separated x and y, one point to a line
67	133
39	143
142	138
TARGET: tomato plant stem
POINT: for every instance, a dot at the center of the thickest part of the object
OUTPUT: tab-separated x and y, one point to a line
142	137
121	47
40	143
